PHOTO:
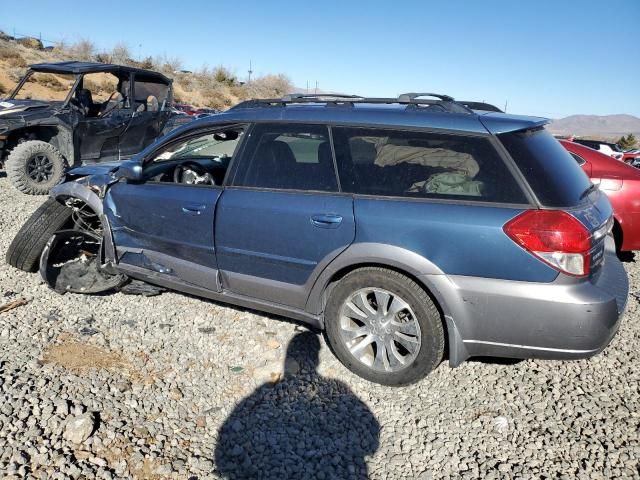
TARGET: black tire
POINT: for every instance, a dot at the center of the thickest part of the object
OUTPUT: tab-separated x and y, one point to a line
21	159
24	252
427	315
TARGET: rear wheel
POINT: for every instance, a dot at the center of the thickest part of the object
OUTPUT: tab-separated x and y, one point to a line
384	327
24	252
34	166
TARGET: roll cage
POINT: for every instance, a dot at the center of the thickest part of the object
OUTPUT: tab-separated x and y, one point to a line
80	69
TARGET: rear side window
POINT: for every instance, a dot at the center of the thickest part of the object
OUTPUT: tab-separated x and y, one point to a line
288	157
552	173
579	160
150	96
423	165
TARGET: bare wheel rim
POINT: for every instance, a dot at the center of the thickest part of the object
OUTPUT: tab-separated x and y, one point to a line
380	329
40	168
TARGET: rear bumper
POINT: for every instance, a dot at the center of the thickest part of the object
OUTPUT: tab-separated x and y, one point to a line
564	319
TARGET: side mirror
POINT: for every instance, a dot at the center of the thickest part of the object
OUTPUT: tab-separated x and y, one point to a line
130	170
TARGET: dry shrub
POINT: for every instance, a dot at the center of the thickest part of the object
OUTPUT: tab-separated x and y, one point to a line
101	85
30	42
120	54
102	58
222	75
50	81
167	65
82	50
3	89
147	63
12	58
220	96
269	86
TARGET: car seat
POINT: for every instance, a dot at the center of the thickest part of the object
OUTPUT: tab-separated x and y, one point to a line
115	102
85	99
275	167
152	104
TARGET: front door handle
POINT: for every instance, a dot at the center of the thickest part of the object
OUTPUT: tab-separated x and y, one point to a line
193	208
326	220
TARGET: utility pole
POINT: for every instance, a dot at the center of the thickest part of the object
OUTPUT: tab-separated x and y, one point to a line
505	105
307	91
250	72
316	92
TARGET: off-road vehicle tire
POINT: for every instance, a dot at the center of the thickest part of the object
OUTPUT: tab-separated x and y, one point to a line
430	331
24	252
34	166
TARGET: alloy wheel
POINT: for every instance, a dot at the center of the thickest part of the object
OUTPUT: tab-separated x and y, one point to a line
40	168
380	329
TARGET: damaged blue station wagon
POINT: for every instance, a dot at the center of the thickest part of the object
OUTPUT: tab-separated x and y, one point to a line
403	227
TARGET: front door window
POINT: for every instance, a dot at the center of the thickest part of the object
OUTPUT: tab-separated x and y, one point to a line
288	157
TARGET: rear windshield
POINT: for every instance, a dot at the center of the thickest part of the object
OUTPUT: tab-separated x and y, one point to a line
555	177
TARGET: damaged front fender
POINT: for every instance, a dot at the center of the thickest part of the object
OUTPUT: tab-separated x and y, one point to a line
91	190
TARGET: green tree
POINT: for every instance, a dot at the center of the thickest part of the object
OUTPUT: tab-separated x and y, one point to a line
628	142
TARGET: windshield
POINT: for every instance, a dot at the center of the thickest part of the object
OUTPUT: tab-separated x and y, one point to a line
555	177
209	146
45	86
615	147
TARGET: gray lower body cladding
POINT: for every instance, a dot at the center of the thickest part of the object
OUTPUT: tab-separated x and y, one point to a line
564	319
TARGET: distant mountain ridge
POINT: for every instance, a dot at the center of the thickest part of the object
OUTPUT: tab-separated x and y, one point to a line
604	126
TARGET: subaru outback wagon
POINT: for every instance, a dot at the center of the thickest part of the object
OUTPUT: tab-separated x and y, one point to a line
404	227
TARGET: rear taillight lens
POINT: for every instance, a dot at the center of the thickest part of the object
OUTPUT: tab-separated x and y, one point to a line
555	237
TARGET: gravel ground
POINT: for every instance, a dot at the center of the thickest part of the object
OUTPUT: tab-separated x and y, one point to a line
172	386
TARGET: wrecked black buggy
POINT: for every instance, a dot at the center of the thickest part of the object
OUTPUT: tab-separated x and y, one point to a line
98	113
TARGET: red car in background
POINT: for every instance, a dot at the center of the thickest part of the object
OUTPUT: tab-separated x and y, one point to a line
621	183
183	107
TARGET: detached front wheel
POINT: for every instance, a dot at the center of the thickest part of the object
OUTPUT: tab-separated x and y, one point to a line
384	327
34	166
25	249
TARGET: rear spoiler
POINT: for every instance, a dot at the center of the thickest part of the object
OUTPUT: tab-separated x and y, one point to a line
498	123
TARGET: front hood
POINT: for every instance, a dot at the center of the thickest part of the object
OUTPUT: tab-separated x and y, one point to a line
95	169
18	108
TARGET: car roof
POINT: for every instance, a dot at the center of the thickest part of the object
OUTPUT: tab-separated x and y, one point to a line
373	114
93	67
604	162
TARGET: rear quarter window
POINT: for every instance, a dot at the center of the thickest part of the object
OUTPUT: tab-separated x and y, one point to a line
554	176
399	163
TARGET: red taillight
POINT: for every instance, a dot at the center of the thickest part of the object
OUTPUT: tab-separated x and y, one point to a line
555	237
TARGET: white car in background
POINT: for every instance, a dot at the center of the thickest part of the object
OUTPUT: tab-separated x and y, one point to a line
610	149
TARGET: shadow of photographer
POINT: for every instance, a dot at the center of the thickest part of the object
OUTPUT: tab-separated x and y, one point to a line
306	426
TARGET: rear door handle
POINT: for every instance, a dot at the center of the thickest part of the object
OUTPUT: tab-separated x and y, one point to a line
326	220
193	208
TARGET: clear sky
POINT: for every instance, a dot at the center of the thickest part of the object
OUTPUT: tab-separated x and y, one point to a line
549	58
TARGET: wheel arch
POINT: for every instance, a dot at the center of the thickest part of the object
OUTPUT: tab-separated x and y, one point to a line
391	257
77	190
618	232
58	136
